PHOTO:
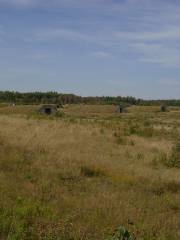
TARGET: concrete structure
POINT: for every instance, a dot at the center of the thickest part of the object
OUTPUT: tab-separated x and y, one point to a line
163	108
48	109
120	109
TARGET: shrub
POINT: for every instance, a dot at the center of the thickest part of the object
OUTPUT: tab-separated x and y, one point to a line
162	158
22	220
121	141
147	123
132	142
140	156
174	160
88	171
145	131
159	188
121	234
60	114
102	131
173	204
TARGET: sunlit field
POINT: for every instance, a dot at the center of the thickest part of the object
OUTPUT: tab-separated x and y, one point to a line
85	172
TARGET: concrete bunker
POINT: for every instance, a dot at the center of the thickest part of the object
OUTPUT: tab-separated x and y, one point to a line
121	109
164	108
48	109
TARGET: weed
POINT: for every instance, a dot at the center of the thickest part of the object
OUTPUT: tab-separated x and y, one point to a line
121	234
102	131
140	156
121	141
173	161
173	204
88	171
159	188
60	114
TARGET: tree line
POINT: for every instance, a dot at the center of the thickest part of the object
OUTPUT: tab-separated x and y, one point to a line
59	98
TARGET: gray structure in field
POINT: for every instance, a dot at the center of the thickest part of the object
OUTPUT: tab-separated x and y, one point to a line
120	109
164	108
48	109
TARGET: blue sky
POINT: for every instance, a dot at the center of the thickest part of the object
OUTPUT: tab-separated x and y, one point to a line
91	47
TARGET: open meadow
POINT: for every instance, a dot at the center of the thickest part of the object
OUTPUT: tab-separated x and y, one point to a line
85	172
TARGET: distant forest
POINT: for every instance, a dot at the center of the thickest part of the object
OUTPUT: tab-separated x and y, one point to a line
58	98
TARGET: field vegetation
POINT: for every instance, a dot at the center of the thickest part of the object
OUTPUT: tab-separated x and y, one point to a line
87	171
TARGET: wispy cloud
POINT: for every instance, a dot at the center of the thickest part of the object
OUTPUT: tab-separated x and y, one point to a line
155	47
102	54
2	33
167	56
172	33
57	3
150	47
171	82
39	56
23	3
130	41
60	33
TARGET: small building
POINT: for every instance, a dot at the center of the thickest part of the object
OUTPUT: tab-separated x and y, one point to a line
120	109
163	108
48	109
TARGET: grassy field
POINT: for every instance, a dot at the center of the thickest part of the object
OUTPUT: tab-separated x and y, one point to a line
82	174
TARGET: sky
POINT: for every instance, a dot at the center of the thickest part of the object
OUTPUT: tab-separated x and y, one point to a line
91	47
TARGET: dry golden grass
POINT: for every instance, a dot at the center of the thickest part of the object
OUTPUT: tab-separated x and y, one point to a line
19	109
83	175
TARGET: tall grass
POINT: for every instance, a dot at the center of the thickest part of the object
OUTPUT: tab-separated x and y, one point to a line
80	178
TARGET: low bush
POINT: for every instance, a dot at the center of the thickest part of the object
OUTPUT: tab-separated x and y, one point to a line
88	171
121	234
145	131
173	161
121	141
60	114
159	188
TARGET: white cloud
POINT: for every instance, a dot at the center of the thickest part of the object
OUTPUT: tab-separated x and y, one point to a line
156	43
172	33
157	47
158	54
102	54
59	33
150	47
39	56
56	3
2	33
23	3
172	82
